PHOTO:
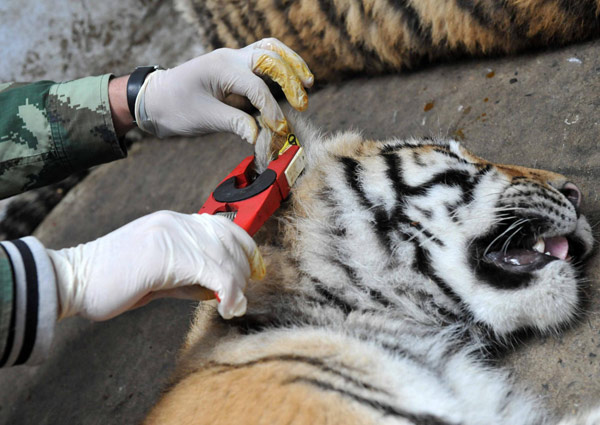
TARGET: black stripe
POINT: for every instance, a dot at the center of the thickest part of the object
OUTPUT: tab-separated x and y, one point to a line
208	23
426	233
327	196
334	299
372	62
402	190
343	305
383	228
250	323
460	178
449	178
373	336
225	19
413	21
471	183
586	12
447	152
11	329
374	294
383	223
388	147
31	320
384	408
352	171
299	45
418	160
394	174
507	24
258	20
423	264
380	298
294	358
427	213
478	13
348	271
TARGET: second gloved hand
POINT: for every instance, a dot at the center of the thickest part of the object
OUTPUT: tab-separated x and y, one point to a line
164	254
188	99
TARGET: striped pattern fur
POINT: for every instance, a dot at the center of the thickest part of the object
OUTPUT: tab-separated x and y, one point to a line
343	37
384	298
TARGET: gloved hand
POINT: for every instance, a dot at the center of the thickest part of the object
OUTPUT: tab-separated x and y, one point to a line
162	254
187	99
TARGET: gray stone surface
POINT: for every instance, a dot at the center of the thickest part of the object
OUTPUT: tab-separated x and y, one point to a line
538	109
66	39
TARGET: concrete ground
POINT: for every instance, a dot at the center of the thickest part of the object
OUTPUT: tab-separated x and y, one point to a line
538	109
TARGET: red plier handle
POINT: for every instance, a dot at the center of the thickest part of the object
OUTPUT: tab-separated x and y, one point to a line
251	201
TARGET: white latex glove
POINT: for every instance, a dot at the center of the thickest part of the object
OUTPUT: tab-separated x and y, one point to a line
162	254
187	99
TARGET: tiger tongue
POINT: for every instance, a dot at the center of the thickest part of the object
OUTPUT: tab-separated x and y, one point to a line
557	247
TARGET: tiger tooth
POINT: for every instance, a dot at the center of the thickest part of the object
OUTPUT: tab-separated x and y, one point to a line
539	246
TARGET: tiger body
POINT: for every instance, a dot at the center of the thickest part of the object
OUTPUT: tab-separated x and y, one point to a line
385	294
345	37
398	267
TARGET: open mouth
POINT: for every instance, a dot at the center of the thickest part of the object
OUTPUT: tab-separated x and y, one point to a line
526	259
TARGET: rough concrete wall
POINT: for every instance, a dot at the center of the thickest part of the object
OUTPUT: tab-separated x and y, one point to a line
66	39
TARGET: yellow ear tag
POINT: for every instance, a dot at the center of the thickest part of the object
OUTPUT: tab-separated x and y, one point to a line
292	140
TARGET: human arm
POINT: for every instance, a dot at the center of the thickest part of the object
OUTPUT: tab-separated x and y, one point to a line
164	254
49	130
117	95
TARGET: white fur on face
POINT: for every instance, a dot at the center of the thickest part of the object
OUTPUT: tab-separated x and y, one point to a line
442	222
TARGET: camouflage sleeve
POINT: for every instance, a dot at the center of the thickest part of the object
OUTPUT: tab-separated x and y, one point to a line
50	130
28	302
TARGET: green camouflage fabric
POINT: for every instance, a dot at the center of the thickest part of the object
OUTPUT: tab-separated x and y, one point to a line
49	130
6	301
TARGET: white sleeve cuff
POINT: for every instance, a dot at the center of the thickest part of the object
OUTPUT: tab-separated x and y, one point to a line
36	302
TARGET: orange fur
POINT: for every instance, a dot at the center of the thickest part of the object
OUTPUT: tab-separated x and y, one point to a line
339	37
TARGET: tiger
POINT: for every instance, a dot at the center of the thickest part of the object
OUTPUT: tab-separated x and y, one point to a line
396	271
343	38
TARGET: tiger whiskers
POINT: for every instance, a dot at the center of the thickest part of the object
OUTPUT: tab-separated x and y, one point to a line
510	228
494	210
507	241
497	219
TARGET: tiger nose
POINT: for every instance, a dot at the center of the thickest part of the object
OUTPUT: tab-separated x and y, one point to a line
573	194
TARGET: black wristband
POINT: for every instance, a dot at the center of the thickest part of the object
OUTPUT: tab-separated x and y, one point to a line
134	84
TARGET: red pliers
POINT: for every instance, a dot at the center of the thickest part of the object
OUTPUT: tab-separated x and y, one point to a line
249	199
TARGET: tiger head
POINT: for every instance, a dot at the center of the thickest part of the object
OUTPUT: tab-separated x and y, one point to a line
492	244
